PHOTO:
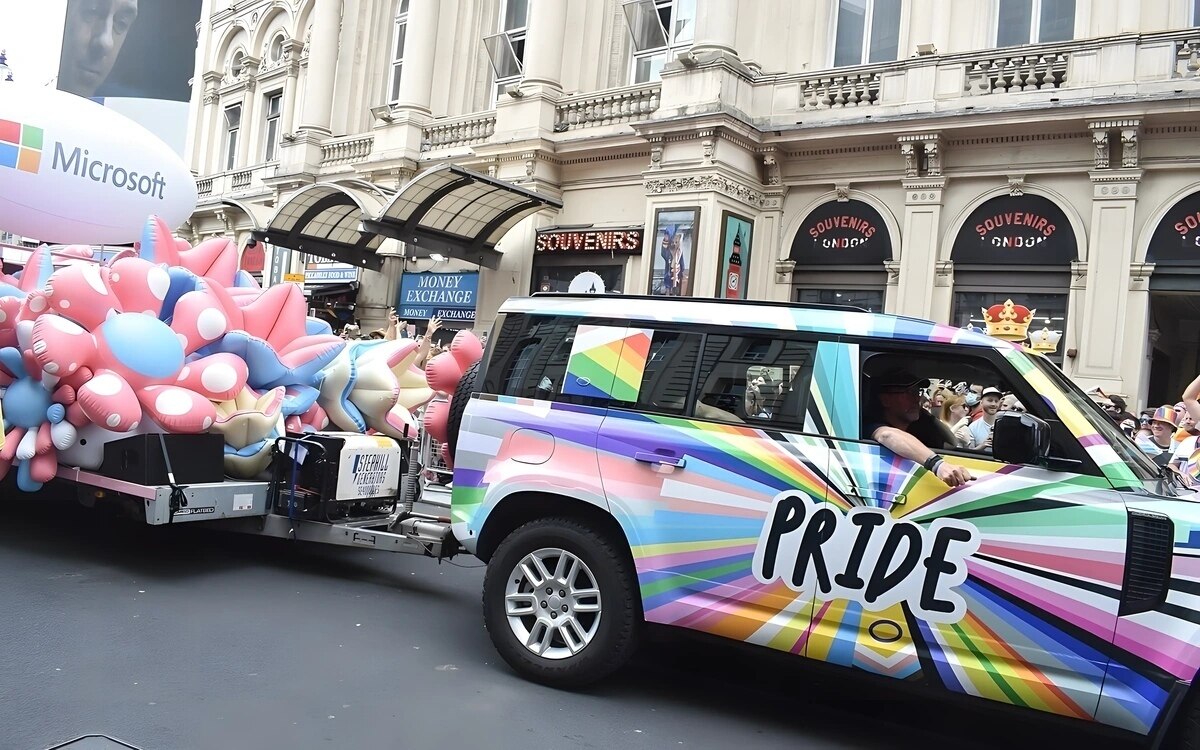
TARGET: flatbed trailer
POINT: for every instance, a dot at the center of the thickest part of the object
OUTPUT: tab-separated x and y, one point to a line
251	507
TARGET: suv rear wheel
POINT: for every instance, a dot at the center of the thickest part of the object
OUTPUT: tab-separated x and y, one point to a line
560	603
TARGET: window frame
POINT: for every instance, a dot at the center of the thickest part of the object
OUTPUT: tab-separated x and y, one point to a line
864	54
672	48
512	36
705	331
272	126
396	69
1035	25
232	135
1078	463
1195	14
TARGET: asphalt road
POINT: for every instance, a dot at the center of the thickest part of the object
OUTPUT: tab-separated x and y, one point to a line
182	638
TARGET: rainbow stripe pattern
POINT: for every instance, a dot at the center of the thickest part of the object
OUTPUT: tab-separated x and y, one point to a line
607	362
1040	626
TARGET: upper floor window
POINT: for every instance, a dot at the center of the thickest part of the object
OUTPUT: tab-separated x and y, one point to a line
661	29
233	124
1195	13
867	31
274	109
401	30
506	49
1034	21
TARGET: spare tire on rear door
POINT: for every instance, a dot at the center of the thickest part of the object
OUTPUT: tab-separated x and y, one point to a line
462	394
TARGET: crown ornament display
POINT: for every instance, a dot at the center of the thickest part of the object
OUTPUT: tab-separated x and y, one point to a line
1045	340
1008	321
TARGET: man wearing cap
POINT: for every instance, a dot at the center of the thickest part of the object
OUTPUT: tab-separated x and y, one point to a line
904	428
981	429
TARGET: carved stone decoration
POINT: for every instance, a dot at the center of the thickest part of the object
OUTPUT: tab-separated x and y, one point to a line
842	191
783	271
705	183
909	151
307	42
771	171
933	158
1100	142
944	273
1016	185
656	153
530	163
212	96
710	146
893	271
1129	148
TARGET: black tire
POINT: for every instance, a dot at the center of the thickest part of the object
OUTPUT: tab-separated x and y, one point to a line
458	404
618	624
1185	732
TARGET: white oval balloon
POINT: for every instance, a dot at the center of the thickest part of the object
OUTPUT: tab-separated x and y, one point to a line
75	172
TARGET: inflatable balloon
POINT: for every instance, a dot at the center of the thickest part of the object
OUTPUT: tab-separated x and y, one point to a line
79	172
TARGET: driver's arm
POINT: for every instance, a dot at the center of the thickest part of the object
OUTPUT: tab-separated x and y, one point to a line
907	446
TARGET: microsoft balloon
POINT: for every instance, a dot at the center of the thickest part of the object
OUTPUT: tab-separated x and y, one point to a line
75	172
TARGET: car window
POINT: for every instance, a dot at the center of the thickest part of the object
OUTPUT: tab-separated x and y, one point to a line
530	356
898	386
670	367
760	380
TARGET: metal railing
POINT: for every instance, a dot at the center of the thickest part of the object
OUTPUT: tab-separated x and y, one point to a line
626	104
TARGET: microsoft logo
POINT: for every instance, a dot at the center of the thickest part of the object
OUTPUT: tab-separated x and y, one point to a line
20	146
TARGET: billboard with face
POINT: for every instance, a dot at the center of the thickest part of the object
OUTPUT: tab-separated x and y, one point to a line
136	57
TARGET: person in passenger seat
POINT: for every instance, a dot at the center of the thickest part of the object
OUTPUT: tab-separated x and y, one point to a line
899	424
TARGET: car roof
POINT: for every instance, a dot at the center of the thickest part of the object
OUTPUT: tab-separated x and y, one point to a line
773	316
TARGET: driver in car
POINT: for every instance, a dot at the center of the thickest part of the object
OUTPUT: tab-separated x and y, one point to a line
903	427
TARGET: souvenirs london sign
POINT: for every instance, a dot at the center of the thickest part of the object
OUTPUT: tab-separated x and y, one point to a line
1016	230
841	233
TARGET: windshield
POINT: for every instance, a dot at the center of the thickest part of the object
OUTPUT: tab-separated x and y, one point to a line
1132	455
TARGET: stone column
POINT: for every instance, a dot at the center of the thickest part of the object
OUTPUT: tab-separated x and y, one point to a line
919	253
250	126
420	52
209	139
194	144
716	26
291	59
1110	361
322	67
544	47
767	278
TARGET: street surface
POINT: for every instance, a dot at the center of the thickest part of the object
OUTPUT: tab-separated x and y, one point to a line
181	638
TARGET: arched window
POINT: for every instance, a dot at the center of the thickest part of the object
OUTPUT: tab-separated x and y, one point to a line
840	253
399	32
1019	248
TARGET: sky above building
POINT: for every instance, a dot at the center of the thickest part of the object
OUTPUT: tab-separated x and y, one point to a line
32	35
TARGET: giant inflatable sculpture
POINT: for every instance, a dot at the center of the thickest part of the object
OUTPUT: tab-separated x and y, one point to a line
173	338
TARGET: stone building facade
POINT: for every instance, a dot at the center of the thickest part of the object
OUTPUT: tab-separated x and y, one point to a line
923	157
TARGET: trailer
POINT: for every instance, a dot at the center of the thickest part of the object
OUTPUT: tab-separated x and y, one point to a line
338	488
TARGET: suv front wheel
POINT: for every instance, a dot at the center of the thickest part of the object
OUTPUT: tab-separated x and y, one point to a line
560	603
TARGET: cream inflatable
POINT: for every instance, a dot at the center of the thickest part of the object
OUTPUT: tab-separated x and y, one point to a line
73	171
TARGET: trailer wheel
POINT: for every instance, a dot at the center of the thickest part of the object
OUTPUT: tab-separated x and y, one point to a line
560	603
458	404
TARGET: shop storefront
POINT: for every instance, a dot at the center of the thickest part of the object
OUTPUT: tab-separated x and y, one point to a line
332	290
452	297
589	261
1019	248
1174	300
840	252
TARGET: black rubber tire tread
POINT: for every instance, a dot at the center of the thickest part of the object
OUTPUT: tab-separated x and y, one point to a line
1185	731
458	404
621	619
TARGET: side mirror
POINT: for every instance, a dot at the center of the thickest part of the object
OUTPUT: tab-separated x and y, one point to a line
1020	438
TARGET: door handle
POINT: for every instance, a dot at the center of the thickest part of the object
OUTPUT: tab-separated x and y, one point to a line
648	457
886	499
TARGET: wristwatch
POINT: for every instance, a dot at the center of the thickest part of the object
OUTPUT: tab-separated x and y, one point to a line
932	462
